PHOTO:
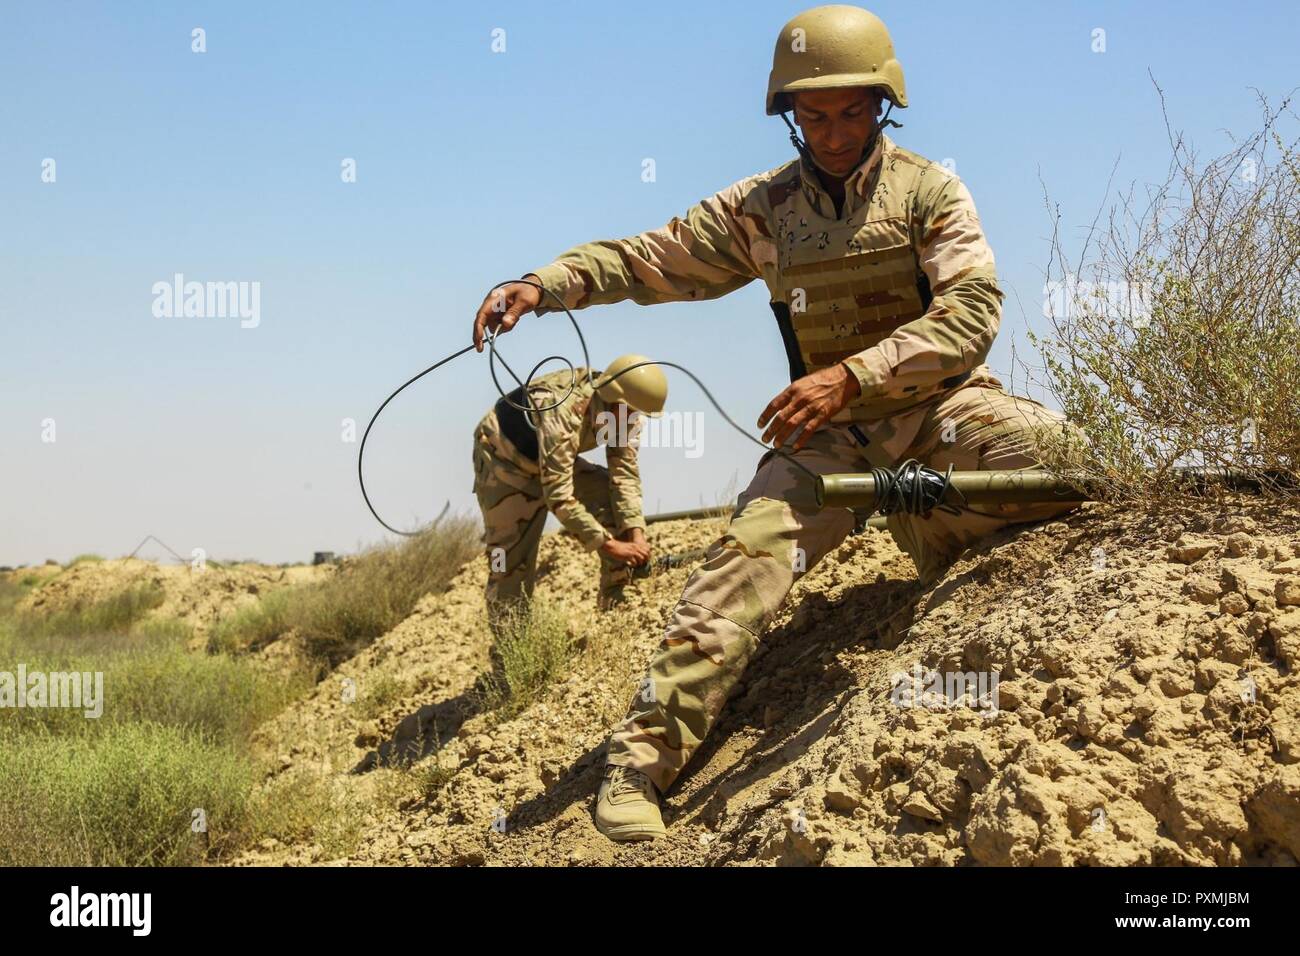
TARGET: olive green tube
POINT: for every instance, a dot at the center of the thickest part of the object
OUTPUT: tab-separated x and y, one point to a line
694	514
998	487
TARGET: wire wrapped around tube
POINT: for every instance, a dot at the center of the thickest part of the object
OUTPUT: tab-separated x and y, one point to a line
913	489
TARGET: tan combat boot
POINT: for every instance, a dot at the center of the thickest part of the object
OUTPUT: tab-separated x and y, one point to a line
627	806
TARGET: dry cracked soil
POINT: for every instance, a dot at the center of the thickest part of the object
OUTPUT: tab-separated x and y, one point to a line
1140	705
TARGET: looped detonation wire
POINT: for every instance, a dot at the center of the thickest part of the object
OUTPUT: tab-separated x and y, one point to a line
913	489
529	408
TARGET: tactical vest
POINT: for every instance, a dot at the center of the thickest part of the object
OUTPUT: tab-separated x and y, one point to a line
846	285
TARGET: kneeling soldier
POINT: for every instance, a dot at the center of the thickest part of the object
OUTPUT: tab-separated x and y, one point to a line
887	301
521	472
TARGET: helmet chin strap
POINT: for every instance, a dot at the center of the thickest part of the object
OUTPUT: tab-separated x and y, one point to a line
802	148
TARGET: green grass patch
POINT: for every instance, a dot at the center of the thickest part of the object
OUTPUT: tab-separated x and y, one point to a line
11	592
255	625
532	647
150	676
114	614
124	797
379	694
368	596
171	737
430	777
300	809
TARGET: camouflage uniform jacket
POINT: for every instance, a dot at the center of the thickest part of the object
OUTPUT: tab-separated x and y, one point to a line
583	421
900	286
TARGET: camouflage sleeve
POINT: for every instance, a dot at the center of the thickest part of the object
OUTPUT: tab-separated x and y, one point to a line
558	434
703	256
957	330
625	481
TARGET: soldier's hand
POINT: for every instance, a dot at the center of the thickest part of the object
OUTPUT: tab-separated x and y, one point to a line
637	536
810	402
629	552
504	306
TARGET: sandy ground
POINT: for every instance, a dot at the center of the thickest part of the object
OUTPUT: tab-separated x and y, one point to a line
1146	707
1147	711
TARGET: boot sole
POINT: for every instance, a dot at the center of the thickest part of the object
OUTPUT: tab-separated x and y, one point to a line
631	832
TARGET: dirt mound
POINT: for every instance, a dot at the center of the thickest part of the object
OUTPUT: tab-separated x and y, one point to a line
1140	707
195	596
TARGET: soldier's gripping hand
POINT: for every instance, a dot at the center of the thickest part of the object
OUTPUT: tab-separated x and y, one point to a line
637	536
504	306
629	552
810	402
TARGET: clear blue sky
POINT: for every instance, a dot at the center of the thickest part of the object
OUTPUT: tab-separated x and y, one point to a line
472	167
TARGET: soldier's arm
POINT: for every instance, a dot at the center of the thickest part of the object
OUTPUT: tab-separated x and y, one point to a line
625	483
702	256
957	330
558	434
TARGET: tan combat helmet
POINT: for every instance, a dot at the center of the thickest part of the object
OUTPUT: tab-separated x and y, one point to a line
831	47
644	389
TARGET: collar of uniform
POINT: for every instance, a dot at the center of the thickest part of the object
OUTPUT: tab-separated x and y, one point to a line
862	175
856	180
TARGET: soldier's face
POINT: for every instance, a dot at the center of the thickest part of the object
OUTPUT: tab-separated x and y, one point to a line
836	124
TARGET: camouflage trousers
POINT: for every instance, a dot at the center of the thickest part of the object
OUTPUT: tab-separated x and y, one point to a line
776	534
509	491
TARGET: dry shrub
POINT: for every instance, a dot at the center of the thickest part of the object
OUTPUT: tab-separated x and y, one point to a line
1172	341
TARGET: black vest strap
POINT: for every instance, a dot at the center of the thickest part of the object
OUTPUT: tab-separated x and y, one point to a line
795	357
923	290
515	426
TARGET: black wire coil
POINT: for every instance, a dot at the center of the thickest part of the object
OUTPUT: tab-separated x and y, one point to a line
913	489
528	407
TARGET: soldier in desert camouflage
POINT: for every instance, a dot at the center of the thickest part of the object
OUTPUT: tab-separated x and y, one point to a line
887	302
521	472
